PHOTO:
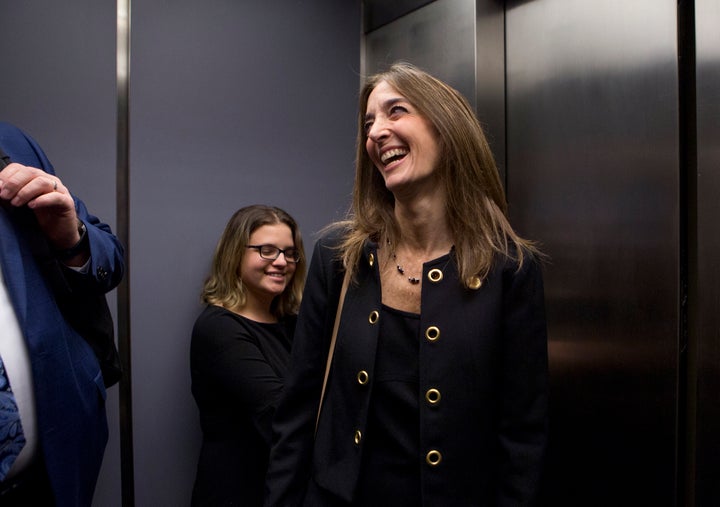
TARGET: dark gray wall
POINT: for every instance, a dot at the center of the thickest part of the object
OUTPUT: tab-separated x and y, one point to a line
231	103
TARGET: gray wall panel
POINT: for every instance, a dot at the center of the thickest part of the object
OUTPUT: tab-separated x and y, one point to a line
58	84
592	161
232	103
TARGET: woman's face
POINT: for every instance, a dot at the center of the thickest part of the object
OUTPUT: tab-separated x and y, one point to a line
264	279
402	144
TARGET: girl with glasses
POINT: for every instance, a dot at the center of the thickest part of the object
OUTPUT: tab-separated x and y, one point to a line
240	350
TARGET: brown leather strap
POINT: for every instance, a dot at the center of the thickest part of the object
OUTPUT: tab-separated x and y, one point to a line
333	339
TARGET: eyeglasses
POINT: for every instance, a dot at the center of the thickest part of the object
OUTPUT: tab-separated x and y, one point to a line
271	252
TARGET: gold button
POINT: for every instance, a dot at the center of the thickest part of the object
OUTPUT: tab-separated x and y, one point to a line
435	275
432	334
374	316
432	396
474	282
371	259
433	458
357	437
362	377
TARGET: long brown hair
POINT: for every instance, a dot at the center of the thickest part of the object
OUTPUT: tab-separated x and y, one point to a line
475	200
224	287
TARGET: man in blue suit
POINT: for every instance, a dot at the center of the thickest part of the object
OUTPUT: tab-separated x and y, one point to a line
52	368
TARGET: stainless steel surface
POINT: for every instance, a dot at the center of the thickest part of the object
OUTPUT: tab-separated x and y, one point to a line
380	12
439	37
122	178
490	75
592	158
707	464
459	41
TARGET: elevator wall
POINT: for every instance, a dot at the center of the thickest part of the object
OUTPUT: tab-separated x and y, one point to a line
594	125
240	102
705	268
231	103
593	173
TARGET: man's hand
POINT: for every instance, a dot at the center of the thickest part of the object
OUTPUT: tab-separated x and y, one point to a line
48	198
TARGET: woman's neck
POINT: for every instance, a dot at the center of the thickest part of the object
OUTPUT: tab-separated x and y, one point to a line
423	227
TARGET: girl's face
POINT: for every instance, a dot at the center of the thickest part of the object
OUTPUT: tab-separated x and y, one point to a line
400	142
265	279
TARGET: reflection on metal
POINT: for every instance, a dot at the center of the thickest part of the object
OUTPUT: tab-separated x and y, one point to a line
490	75
592	163
459	41
612	163
380	12
707	275
123	233
439	38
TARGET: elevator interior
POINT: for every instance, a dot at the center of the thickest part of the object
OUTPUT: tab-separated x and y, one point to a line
610	157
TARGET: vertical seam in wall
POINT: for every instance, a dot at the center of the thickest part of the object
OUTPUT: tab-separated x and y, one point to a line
687	300
123	231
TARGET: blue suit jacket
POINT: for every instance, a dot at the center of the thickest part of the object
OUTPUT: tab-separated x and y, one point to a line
69	389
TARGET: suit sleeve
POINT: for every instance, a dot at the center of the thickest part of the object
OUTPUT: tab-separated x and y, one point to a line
107	264
106	253
523	424
294	425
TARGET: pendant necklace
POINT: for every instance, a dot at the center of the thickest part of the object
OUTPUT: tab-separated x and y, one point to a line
401	270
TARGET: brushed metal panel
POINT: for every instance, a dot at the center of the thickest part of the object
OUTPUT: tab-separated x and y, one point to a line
707	20
459	41
439	37
380	12
592	158
490	75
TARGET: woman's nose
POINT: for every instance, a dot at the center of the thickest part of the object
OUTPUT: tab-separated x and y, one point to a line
280	260
378	130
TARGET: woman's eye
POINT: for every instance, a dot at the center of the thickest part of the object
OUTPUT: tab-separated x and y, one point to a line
367	126
395	110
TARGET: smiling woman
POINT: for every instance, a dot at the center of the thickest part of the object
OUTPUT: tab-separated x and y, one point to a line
240	349
401	143
432	400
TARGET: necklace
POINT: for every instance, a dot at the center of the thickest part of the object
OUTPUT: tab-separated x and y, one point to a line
401	270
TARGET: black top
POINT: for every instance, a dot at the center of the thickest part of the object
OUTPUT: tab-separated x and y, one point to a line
237	368
390	470
485	351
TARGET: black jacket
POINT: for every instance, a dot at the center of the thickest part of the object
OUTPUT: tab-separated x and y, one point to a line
485	350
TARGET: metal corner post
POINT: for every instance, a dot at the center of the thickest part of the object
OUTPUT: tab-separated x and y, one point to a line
123	230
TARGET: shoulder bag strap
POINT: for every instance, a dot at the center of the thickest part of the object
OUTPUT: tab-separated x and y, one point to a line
333	339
